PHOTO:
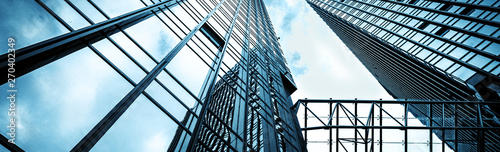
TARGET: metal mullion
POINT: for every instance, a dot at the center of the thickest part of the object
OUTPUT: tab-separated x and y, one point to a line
238	40
176	98
212	79
224	124
126	54
221	15
217	20
204	145
493	23
463	4
53	14
172	117
484	36
236	56
185	34
176	25
216	135
196	12
203	50
290	143
198	55
183	86
247	82
204	5
489	55
441	53
79	12
189	12
92	137
187	28
128	36
224	80
90	46
220	19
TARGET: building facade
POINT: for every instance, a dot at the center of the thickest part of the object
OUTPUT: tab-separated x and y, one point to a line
146	76
427	50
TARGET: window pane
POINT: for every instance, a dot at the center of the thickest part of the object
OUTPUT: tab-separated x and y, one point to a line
58	104
154	37
119	59
28	22
113	9
143	127
166	100
67	13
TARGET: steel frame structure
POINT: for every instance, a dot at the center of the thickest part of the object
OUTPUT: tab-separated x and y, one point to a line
446	119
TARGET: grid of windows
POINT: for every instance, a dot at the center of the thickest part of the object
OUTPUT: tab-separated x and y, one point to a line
459	38
150	76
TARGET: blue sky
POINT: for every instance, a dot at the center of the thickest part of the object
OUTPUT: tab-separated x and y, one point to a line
322	66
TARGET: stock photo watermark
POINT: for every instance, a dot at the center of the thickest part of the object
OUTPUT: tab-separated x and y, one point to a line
12	89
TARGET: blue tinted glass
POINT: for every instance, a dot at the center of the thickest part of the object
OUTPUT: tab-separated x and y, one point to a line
444	64
436	44
134	51
113	8
67	13
154	37
472	41
496	71
487	29
89	10
177	89
166	100
189	69
119	59
491	66
423	54
458	52
479	61
463	73
494	48
58	104
27	22
143	127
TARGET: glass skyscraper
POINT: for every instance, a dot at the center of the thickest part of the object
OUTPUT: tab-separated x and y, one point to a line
429	50
440	41
141	75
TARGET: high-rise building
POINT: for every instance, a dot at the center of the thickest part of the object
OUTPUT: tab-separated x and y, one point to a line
141	75
427	49
422	49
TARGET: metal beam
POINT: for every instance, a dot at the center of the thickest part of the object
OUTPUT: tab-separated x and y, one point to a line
42	53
